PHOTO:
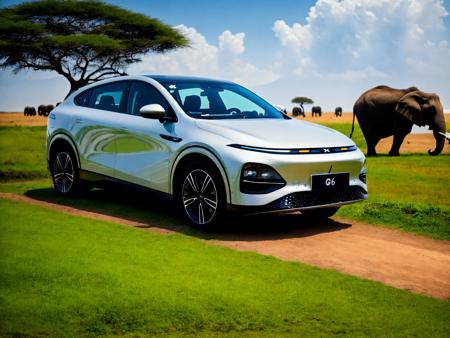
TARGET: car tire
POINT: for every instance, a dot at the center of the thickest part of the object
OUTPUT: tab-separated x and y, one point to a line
65	172
318	214
201	195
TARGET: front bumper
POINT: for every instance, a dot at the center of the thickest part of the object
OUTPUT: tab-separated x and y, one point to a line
304	200
296	171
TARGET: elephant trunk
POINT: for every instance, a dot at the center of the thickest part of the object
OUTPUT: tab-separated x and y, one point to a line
439	127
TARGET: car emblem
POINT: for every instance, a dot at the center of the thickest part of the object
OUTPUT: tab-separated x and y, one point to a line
326	150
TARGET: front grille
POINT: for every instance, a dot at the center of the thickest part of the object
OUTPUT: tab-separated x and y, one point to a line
306	199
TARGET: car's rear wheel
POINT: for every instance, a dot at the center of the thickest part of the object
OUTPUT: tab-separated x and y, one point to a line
318	214
65	174
201	196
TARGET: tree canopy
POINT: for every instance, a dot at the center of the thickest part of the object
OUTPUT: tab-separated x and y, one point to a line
84	41
302	100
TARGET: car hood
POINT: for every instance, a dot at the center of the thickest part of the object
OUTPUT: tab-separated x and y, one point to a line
275	133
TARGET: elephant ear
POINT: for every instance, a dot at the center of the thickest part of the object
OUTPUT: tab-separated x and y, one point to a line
410	107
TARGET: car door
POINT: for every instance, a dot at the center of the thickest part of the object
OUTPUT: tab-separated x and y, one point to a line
144	146
97	126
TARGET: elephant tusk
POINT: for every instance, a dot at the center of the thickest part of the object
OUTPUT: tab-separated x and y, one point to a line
446	135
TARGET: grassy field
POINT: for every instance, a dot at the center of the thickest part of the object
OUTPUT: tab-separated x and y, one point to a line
22	154
64	275
410	192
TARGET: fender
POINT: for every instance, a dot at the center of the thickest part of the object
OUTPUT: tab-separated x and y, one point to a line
61	135
212	156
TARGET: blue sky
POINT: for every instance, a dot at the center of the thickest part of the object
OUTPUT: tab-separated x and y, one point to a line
328	50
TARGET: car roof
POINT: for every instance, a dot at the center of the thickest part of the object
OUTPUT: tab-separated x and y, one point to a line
162	79
179	78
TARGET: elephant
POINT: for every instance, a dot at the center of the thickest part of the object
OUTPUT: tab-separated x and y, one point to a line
296	111
338	111
384	111
29	111
42	109
48	109
316	110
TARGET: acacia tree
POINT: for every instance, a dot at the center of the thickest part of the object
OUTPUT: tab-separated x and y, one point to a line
84	41
301	100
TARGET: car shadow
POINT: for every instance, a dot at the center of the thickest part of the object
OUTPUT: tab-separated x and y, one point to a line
151	210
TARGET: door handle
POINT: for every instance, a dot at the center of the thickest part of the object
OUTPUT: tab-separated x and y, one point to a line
171	138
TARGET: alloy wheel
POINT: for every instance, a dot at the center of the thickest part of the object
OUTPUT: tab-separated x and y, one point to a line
200	197
63	172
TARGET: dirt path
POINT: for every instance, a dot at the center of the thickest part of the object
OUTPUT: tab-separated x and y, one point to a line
395	258
402	260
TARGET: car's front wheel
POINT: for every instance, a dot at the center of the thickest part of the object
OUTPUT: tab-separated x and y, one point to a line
201	195
65	174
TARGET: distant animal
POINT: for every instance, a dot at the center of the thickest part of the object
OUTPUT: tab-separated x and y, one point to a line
48	109
29	111
316	110
384	111
41	110
338	111
44	110
296	111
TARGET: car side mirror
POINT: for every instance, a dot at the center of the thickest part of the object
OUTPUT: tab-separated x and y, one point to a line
152	111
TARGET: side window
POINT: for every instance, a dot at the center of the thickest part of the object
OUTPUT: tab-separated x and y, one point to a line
108	97
84	98
204	102
142	94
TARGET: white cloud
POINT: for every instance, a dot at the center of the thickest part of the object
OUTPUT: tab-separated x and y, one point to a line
204	59
361	43
200	58
297	36
356	34
233	43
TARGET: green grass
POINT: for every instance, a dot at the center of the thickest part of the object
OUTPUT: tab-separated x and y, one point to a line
423	219
22	154
64	275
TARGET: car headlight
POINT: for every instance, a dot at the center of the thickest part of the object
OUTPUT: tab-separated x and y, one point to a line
259	178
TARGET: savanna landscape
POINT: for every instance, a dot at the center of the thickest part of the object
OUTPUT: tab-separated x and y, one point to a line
109	260
106	263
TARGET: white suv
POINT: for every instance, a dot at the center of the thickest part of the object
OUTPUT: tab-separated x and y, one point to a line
211	145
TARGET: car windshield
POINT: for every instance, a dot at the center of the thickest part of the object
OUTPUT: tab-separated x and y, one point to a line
219	100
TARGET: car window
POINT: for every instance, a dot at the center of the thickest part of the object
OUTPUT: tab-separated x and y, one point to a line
108	97
204	102
142	94
233	101
206	99
84	98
